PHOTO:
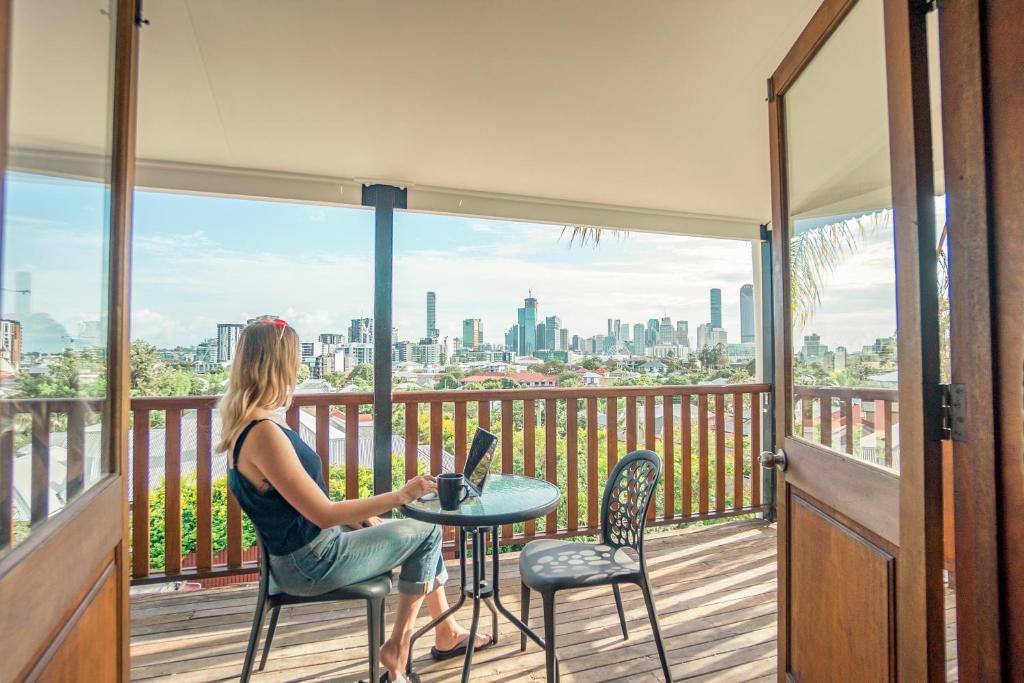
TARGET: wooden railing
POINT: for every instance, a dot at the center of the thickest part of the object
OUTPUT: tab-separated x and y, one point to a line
826	415
708	437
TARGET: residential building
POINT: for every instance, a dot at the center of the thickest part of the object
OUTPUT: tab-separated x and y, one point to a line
360	331
10	346
747	313
813	351
716	307
227	339
331	338
357	353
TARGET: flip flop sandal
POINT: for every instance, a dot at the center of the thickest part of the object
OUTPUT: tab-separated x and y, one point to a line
404	678
458	650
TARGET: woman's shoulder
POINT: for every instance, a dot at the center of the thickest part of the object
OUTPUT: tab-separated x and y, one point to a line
265	432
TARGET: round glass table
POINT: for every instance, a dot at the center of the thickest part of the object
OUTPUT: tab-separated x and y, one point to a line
507	499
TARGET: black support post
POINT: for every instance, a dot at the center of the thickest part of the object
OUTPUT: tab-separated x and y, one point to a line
768	356
384	199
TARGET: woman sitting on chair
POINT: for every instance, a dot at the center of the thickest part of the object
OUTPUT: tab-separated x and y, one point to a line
317	545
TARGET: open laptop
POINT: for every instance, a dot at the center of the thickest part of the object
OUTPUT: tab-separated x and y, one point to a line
478	463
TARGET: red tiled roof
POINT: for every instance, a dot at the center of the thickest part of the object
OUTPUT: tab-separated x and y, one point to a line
516	376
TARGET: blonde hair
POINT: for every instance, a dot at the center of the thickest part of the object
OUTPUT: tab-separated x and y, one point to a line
263	375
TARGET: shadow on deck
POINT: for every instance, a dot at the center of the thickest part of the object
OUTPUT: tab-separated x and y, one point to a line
714	586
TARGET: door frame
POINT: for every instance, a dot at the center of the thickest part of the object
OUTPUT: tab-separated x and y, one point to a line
100	550
916	494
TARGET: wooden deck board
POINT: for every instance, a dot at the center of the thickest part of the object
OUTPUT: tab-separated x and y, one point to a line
714	587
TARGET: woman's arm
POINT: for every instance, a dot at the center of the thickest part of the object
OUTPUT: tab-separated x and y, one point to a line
276	459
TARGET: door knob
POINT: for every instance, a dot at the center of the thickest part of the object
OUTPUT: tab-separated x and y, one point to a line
776	460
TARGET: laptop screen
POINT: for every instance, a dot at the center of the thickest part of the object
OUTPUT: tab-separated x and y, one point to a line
481	452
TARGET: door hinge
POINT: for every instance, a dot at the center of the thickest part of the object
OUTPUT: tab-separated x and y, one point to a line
954	412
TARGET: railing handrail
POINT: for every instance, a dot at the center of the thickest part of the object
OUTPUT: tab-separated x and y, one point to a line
863	393
459	395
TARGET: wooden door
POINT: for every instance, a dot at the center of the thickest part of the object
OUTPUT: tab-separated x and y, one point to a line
858	403
66	149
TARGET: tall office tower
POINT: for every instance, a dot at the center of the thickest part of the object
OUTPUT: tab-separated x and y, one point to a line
639	339
611	329
22	295
576	343
472	333
716	307
703	335
624	332
432	331
512	338
652	331
332	338
563	339
665	332
541	336
227	339
683	333
360	331
747	313
553	333
528	326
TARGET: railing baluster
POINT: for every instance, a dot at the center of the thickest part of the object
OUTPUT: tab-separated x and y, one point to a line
630	424
204	492
755	449
172	491
323	441
140	494
76	449
703	476
507	433
650	443
848	419
668	441
551	457
412	437
6	476
612	431
825	419
529	452
436	437
807	408
592	428
572	474
888	433
737	451
352	451
483	415
460	435
40	462
719	452
686	464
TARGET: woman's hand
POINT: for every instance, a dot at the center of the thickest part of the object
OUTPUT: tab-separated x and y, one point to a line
371	521
417	487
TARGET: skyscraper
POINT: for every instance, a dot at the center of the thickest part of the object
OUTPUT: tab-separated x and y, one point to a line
528	326
552	333
432	332
639	339
227	339
472	333
665	332
652	331
624	332
683	333
512	338
563	339
747	313
541	336
360	331
716	307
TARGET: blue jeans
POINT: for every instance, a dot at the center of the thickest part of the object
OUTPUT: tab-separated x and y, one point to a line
342	556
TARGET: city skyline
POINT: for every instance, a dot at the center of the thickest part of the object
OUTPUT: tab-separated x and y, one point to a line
200	261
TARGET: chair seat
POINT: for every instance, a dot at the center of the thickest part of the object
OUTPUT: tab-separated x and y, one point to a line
372	589
554	565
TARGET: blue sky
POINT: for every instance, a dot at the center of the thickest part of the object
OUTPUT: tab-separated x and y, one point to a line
203	260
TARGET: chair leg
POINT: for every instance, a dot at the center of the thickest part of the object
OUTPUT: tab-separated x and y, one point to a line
524	604
374	623
653	614
270	636
550	659
622	614
254	636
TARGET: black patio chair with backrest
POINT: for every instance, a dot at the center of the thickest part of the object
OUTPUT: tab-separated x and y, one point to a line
548	566
269	598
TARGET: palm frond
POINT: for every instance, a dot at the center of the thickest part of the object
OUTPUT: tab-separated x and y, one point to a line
587	233
815	254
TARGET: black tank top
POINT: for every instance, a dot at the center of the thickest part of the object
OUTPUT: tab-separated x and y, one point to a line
281	527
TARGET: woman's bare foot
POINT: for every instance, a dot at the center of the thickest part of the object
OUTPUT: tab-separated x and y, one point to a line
450	637
393	655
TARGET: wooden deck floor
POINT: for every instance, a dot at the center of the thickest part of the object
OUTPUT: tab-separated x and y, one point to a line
714	586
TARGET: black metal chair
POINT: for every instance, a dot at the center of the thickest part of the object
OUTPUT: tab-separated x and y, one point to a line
372	591
548	566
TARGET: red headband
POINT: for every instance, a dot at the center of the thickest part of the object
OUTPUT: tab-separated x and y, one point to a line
277	322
